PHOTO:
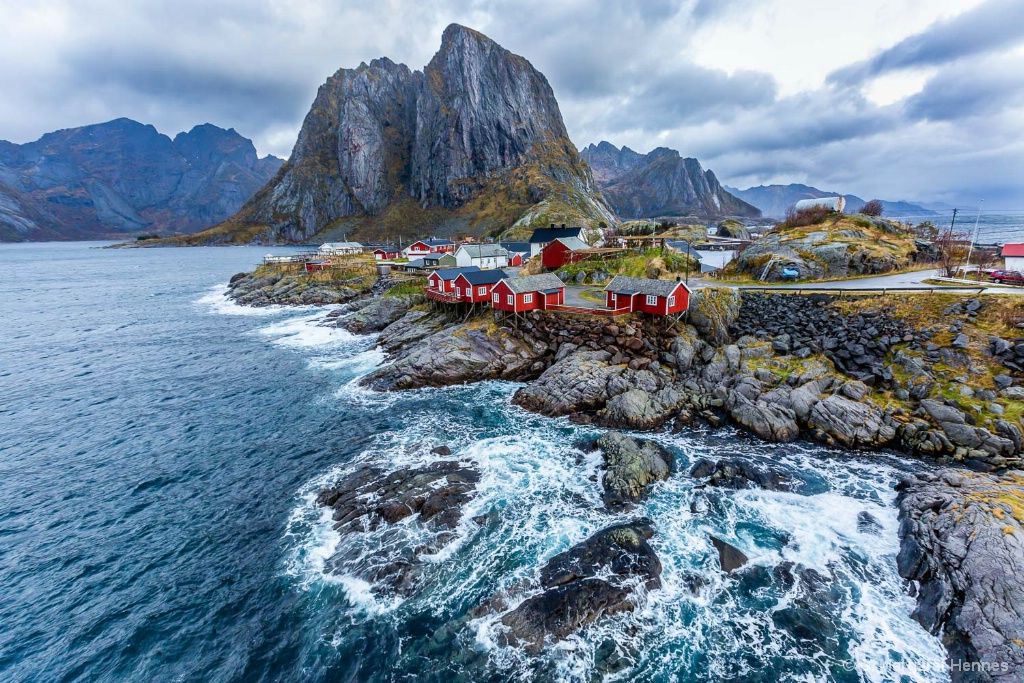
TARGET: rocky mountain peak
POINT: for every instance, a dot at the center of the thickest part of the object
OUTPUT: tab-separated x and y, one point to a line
475	142
660	183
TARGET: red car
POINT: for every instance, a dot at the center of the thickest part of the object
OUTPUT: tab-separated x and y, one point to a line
1010	277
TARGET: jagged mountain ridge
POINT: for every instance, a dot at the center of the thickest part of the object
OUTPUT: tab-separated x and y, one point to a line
660	183
473	143
774	200
120	177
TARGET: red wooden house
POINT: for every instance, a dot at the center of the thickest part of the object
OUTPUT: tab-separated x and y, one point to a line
443	279
515	260
562	252
314	266
382	253
425	247
641	295
476	286
529	293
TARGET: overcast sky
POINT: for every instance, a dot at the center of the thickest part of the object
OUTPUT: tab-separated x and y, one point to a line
899	99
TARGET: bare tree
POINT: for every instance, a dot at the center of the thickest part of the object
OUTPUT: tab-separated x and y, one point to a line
952	251
873	208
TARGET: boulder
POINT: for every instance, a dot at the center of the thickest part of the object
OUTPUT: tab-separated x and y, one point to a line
769	421
456	355
738	474
639	409
573	596
962	539
713	310
850	424
730	558
579	382
631	465
381	312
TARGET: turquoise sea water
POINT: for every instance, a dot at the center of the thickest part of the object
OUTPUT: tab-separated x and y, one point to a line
160	449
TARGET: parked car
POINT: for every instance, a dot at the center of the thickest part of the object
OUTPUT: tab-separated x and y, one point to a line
1010	277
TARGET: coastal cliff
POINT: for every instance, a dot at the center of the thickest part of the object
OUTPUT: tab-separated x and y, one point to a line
473	143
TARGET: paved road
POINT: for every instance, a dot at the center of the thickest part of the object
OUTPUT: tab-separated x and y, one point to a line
911	279
573	298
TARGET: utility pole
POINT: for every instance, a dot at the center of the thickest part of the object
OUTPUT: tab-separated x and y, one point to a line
970	249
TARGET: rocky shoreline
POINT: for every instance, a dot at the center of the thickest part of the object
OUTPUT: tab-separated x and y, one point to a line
863	375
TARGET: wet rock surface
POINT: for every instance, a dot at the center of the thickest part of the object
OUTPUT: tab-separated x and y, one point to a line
631	466
738	474
573	594
379	313
371	498
962	540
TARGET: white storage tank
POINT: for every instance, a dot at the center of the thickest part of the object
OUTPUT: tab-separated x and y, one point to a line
836	204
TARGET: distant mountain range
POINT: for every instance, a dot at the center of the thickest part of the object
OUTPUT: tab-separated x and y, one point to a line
474	143
660	184
774	200
113	179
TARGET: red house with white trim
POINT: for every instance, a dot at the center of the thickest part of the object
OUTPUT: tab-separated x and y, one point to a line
1013	255
443	279
427	247
642	295
562	252
381	253
529	293
476	286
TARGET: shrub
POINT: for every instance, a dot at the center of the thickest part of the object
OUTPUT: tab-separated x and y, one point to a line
812	215
873	208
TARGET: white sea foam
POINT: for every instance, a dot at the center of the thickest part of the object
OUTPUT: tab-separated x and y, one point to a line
216	300
538	495
305	332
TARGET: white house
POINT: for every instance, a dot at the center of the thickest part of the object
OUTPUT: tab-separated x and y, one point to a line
1014	256
340	248
484	256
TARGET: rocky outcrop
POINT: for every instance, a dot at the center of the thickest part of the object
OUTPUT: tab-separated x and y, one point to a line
380	313
631	466
850	424
713	311
839	247
962	540
661	183
582	381
730	558
270	289
370	498
574	596
470	352
116	178
473	142
734	229
737	474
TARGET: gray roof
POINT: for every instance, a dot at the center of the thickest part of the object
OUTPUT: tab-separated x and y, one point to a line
484	250
573	243
416	263
534	283
341	245
621	283
516	247
485	277
435	243
452	273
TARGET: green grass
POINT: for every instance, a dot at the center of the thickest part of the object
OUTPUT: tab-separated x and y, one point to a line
407	287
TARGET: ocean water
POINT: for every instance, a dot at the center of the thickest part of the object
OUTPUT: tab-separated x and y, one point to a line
161	448
993	227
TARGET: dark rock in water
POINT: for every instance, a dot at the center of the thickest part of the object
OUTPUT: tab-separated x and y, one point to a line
867	524
441	450
370	497
737	474
380	313
962	539
620	549
561	611
574	597
631	465
729	556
